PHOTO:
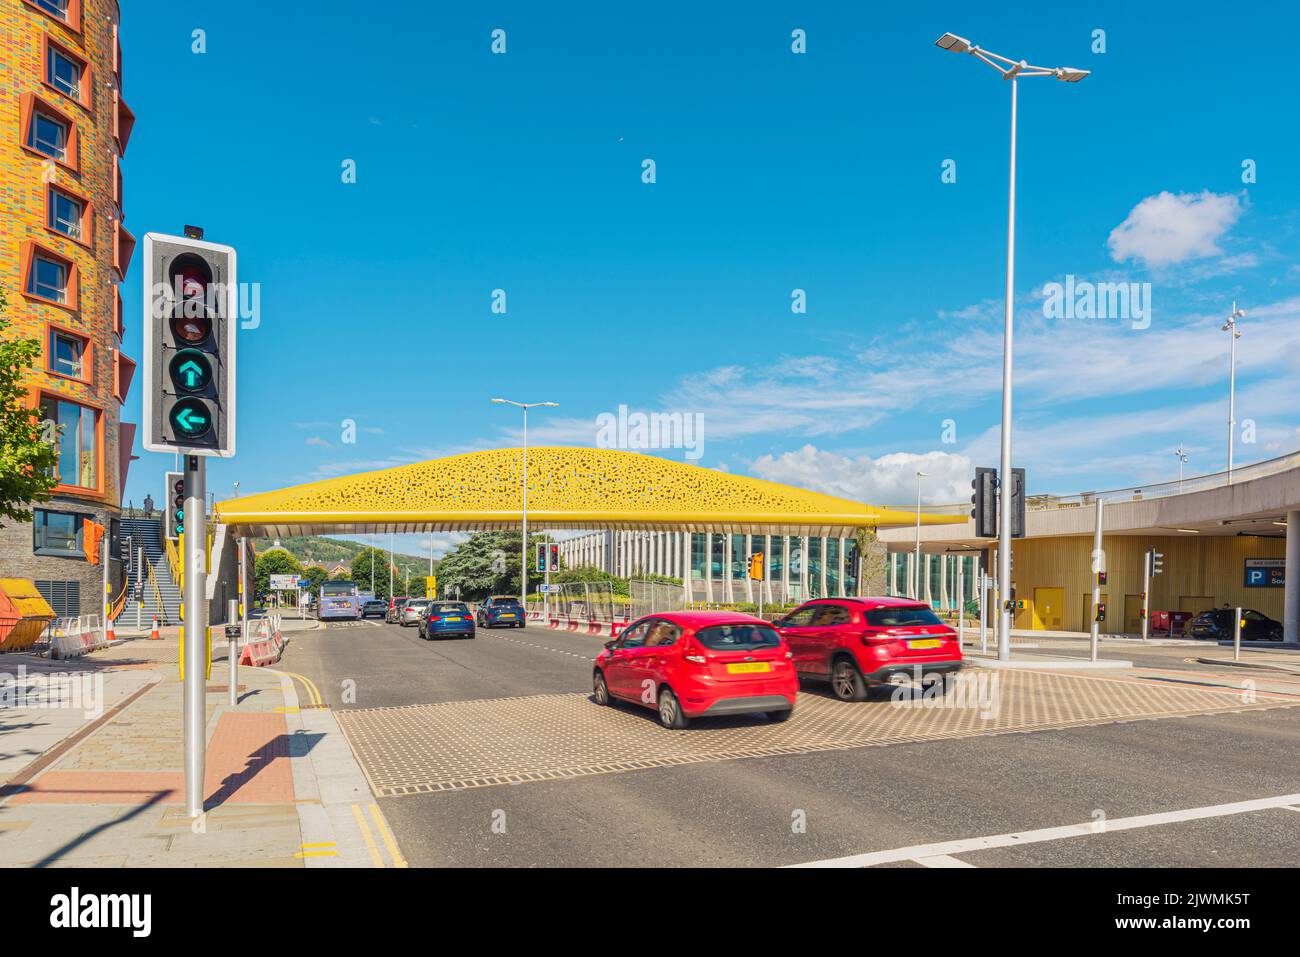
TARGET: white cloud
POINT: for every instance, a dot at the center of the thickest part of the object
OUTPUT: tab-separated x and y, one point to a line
1166	229
887	480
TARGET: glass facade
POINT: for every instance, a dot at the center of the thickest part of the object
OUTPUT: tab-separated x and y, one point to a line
74	431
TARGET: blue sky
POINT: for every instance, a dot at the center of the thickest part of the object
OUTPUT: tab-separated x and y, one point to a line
775	171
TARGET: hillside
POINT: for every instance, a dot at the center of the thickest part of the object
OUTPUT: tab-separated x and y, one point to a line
316	550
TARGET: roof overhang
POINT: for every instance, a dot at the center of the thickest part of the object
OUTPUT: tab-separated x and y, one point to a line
568	488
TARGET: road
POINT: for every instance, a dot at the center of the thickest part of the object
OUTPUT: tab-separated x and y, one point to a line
489	753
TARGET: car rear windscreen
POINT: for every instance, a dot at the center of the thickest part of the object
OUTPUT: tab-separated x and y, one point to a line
449	608
738	637
902	617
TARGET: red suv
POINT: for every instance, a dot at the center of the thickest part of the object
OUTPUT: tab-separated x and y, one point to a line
692	664
856	642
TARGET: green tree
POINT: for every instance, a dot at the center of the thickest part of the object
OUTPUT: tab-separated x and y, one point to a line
26	463
315	574
361	565
487	564
273	562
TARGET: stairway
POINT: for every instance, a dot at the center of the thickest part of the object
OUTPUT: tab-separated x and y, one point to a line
147	533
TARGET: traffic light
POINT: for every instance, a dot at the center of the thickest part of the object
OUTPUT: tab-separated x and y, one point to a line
1101	611
985	501
553	553
1016	506
539	557
174	505
1101	578
756	566
1157	562
546	557
190	314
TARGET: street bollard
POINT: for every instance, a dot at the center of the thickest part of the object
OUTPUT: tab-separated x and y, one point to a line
1236	636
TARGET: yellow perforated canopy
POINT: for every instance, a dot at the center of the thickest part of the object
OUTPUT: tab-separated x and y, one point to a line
573	488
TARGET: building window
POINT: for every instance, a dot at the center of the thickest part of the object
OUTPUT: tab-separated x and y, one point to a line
49	135
66	214
48	279
57	533
63	72
67	354
55	8
73	430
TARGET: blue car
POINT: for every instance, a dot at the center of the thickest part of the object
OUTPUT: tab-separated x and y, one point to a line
501	610
447	619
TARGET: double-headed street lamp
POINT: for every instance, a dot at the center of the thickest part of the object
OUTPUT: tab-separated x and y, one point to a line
1011	70
1230	326
523	544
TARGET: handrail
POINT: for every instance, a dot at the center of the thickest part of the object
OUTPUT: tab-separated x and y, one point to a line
157	593
174	560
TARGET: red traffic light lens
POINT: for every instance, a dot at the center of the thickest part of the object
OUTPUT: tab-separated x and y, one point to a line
192	329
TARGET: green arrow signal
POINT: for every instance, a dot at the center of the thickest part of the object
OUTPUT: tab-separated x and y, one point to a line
191	371
189	420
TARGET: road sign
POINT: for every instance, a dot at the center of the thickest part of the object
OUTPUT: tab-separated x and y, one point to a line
284	583
430	586
1265	572
190	314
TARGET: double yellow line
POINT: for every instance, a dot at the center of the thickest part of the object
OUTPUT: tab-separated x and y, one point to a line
313	693
384	833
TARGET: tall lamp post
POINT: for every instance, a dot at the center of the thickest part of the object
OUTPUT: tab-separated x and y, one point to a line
916	561
1181	454
523	544
1230	326
1011	70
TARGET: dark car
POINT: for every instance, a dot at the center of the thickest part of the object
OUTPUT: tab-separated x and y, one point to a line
447	619
374	608
394	613
1216	625
501	610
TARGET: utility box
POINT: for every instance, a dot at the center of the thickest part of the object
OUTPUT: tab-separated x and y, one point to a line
24	613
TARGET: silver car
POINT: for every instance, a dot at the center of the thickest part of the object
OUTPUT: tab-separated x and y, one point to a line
413	611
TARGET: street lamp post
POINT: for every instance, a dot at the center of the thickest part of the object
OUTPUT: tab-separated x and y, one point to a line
1011	70
1230	326
1181	453
917	560
523	544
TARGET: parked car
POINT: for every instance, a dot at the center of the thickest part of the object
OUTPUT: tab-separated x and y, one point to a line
501	610
857	642
375	607
447	619
1216	625
691	664
412	611
394	614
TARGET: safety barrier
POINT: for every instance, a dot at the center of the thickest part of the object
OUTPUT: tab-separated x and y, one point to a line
267	647
72	637
574	625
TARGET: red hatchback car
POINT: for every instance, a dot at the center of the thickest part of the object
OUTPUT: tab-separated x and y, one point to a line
693	664
856	642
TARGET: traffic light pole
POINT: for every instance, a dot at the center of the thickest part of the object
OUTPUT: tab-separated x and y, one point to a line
1097	562
196	629
1146	595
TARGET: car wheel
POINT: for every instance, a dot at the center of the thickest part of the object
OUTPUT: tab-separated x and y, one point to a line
600	690
846	681
670	711
778	716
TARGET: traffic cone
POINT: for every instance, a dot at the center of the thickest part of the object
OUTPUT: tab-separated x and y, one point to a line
110	635
153	633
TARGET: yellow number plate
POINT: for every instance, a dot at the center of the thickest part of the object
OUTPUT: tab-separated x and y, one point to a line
453	619
748	668
925	643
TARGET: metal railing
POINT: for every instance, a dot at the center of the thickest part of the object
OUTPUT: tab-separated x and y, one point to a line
651	598
1137	493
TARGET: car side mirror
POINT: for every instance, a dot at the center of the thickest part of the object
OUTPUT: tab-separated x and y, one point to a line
611	645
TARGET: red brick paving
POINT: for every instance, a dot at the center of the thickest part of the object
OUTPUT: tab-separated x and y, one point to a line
247	763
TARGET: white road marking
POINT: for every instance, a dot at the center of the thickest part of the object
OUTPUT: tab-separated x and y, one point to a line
941	860
919	852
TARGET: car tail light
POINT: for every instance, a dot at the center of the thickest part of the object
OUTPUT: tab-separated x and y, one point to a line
789	655
435	618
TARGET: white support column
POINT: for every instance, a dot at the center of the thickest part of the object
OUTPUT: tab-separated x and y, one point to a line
684	556
925	573
1291	596
708	566
892	558
943	581
728	592
840	577
749	550
785	569
825	587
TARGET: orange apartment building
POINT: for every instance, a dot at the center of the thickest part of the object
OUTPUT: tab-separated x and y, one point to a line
64	250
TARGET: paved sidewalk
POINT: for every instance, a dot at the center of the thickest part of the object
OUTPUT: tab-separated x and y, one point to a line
101	784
